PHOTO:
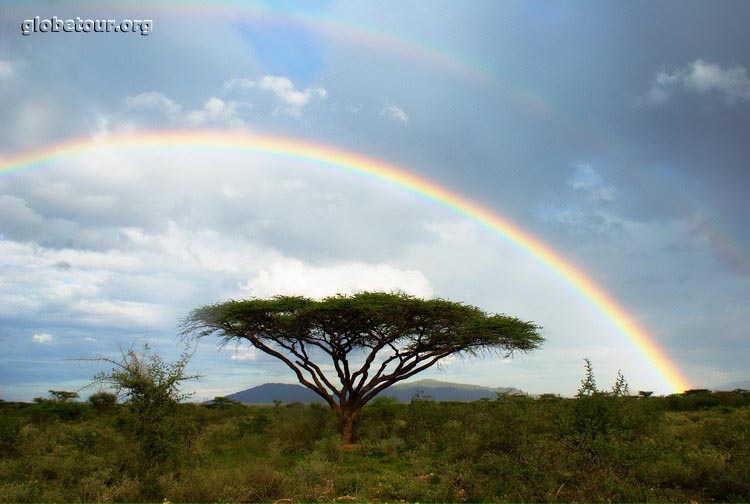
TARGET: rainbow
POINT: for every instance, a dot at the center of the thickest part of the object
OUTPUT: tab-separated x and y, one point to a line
362	34
353	31
378	170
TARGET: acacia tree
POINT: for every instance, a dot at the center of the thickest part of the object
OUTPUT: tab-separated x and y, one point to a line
368	341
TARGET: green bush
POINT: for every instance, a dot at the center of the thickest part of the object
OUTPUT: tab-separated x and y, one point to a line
102	402
10	434
513	449
251	425
45	410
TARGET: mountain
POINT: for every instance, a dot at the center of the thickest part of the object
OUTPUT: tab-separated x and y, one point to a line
269	392
404	392
445	391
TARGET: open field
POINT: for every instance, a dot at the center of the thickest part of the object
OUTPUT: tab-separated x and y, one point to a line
691	447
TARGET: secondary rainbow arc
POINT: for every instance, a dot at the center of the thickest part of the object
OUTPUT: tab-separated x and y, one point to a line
386	172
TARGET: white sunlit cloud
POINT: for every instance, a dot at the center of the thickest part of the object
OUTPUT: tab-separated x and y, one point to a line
120	312
42	338
732	84
214	111
36	286
293	277
142	274
291	99
244	354
154	100
396	113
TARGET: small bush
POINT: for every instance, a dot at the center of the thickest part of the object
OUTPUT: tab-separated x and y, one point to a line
10	434
102	402
256	424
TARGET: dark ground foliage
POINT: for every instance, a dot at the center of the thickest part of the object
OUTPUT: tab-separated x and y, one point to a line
598	448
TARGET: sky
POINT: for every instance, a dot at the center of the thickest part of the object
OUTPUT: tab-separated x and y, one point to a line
616	133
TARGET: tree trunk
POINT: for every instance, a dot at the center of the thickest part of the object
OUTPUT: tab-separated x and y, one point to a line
348	422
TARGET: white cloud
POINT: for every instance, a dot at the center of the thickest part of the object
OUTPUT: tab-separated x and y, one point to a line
36	121
587	179
239	83
588	209
155	100
214	111
284	89
395	112
7	70
292	100
292	277
96	311
42	338
244	354
88	292
732	84
657	95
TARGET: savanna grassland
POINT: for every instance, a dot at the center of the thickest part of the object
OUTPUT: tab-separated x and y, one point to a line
680	448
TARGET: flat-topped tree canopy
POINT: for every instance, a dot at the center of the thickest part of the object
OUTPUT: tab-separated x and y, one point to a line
372	339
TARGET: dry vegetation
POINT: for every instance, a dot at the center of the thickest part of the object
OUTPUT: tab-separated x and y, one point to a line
689	447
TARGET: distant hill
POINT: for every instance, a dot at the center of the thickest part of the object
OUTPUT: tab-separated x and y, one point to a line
269	392
742	384
445	391
404	392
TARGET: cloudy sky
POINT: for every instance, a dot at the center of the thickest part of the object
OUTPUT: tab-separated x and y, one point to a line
615	132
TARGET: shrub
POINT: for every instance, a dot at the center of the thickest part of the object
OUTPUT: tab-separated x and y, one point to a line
158	428
102	402
222	403
10	434
251	425
45	410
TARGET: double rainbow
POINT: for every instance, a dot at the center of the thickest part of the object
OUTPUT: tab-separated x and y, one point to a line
382	171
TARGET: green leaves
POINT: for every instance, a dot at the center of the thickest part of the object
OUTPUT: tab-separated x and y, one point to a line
365	320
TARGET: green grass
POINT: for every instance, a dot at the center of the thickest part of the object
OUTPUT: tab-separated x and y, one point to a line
515	449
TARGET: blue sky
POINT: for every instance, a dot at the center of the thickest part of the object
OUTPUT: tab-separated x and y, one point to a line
614	132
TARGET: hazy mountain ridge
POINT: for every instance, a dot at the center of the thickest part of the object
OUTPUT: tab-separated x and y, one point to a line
404	392
742	384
